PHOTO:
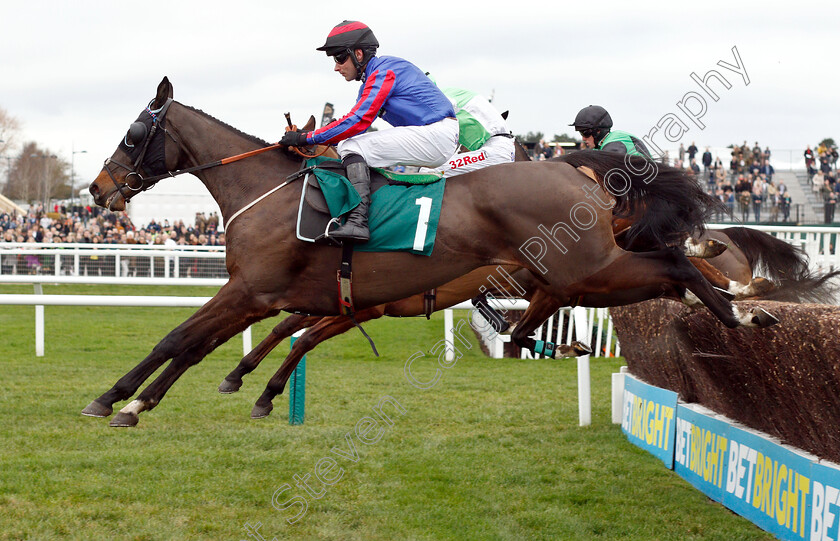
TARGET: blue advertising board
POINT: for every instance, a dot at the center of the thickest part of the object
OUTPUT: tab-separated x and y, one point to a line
700	451
648	418
825	503
768	484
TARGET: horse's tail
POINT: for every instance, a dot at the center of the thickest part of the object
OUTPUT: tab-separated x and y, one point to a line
665	204
785	264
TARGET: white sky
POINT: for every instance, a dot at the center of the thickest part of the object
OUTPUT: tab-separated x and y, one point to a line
75	74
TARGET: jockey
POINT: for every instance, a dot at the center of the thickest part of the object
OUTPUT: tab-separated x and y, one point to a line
483	133
425	130
594	125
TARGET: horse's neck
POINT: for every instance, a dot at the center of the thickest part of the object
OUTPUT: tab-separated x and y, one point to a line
205	140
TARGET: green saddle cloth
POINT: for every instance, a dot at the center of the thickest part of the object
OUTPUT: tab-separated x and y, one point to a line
401	218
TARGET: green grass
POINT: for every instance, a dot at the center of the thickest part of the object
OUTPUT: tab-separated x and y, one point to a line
493	451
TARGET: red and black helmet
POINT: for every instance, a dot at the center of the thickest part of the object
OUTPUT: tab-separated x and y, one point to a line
350	35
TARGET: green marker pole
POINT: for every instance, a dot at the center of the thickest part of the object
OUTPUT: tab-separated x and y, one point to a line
297	388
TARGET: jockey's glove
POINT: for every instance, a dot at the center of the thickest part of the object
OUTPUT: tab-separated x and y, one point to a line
294	139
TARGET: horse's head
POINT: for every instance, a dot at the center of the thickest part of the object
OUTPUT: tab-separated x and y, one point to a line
146	154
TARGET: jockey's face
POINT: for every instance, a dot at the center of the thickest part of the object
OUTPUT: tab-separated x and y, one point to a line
588	141
347	69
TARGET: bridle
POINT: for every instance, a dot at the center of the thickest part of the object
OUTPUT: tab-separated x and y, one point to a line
137	132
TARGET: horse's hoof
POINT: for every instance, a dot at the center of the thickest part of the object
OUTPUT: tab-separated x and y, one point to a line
229	387
261	411
125	419
761	286
95	409
714	248
728	295
705	249
580	349
762	318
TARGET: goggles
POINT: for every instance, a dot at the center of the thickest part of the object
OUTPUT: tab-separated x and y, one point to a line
341	57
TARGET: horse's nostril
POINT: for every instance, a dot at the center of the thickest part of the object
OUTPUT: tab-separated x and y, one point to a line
94	190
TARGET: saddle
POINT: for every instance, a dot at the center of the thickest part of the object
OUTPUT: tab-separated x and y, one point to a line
314	217
319	212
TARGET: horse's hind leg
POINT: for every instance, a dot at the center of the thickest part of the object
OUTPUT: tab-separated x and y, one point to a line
314	335
249	363
541	306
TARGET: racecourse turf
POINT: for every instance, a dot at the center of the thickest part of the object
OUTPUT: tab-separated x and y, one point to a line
492	451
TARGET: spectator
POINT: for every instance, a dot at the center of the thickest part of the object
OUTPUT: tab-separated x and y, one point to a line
809	159
707	160
695	169
817	182
734	165
773	200
784	205
692	151
767	170
757	154
744	204
682	153
825	165
829	197
757	198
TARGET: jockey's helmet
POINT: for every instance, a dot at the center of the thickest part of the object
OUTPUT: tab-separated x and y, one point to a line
593	120
348	36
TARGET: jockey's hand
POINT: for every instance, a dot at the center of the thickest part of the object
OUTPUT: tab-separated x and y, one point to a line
294	139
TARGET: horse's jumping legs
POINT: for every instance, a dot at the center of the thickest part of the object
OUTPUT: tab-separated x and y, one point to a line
703	249
737	290
249	363
153	394
640	269
542	306
197	332
127	385
325	329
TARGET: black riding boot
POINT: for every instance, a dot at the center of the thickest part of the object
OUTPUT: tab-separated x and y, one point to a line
355	229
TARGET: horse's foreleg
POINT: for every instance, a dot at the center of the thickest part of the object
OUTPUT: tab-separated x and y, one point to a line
226	328
314	335
642	269
183	338
736	289
249	363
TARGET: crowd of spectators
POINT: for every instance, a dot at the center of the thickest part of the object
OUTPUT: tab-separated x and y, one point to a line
94	225
747	186
822	167
88	225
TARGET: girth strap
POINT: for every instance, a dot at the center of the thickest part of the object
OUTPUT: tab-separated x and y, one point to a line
345	290
345	280
429	299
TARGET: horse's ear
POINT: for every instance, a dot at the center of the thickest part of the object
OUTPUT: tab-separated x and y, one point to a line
505	115
164	92
310	125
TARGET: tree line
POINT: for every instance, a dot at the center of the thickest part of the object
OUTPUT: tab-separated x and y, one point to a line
30	173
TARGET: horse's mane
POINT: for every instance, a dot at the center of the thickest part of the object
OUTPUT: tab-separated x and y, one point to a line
251	138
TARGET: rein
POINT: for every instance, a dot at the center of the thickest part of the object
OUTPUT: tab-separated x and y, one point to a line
223	161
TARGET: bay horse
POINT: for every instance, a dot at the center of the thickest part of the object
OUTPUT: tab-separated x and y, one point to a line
534	215
748	252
